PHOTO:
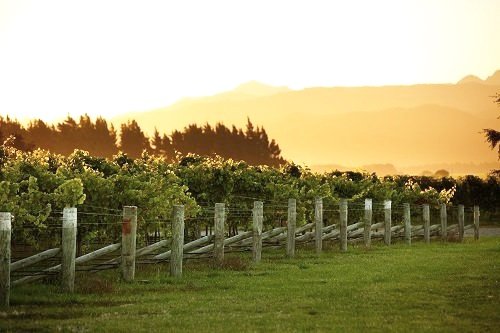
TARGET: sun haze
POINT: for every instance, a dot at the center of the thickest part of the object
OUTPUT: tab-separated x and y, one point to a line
109	57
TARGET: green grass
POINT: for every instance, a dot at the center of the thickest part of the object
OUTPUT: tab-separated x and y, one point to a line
435	288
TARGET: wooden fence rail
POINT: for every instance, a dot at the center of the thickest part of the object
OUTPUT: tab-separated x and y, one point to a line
174	249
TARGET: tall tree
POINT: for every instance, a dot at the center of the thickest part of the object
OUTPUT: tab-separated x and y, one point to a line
68	138
156	143
96	138
493	136
15	133
133	141
252	145
161	145
104	138
43	135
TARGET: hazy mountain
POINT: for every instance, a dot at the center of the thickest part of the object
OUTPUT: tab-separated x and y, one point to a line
402	125
493	80
379	169
455	169
403	136
254	88
470	79
243	92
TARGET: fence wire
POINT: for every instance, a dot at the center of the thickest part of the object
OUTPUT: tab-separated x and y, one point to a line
105	225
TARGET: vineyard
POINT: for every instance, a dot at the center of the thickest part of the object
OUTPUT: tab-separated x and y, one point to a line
36	186
157	211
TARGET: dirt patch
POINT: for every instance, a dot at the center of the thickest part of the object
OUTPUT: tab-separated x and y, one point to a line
95	285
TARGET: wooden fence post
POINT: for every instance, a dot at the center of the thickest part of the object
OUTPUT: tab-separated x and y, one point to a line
476	222
219	233
461	214
444	223
68	249
177	247
387	222
368	223
258	216
426	216
318	219
5	237
129	234
407	221
292	220
343	225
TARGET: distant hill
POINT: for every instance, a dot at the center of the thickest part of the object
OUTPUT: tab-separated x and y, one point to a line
455	169
243	92
404	136
379	169
254	88
493	80
402	125
470	79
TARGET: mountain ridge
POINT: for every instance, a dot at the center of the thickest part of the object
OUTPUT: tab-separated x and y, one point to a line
493	79
438	122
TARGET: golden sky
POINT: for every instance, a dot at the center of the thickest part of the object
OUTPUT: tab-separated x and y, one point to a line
60	57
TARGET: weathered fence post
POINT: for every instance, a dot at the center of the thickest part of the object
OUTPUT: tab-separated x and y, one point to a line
444	223
129	235
407	221
387	222
5	237
343	225
292	220
476	222
426	216
461	214
219	233
68	249
368	223
258	216
177	246
318	220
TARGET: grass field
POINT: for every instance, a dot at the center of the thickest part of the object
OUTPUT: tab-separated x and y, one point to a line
436	288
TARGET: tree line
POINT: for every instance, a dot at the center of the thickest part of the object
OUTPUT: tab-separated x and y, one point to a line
101	139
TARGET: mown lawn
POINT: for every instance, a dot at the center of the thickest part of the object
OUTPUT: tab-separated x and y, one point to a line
435	288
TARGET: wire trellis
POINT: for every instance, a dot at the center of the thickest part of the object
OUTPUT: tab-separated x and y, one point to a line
275	215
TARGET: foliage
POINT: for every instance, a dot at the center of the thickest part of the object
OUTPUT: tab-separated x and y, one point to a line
35	186
413	193
70	193
493	136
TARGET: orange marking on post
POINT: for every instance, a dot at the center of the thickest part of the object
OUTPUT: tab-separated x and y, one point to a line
126	226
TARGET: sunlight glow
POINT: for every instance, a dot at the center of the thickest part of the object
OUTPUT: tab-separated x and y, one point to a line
60	57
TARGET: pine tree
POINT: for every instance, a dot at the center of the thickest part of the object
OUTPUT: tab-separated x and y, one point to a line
132	140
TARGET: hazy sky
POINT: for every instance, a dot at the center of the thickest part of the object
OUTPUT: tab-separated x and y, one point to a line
60	57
